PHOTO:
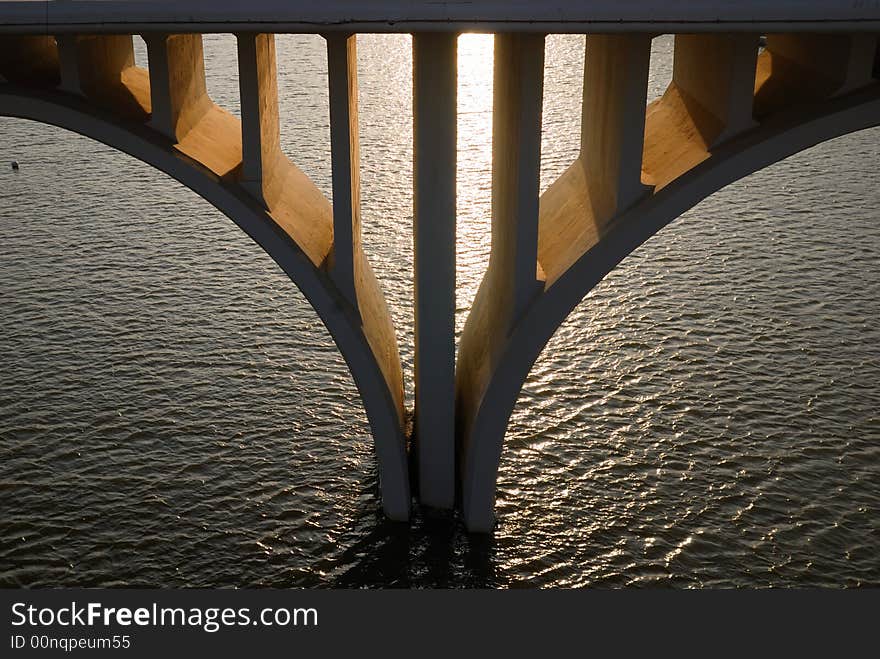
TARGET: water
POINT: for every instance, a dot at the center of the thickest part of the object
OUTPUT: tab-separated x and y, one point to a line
172	412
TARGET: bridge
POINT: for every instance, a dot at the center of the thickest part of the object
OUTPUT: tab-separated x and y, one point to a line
753	82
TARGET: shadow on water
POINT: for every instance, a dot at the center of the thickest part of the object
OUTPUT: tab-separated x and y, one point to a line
432	551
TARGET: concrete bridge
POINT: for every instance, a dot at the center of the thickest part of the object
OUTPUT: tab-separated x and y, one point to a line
733	107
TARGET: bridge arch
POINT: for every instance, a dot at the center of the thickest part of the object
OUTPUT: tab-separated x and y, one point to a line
483	419
381	400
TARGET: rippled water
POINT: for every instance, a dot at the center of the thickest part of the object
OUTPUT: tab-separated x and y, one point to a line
173	413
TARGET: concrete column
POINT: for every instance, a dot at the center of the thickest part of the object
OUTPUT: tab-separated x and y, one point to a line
69	63
434	213
838	62
260	132
345	161
717	71
516	170
29	60
860	62
90	65
177	83
613	120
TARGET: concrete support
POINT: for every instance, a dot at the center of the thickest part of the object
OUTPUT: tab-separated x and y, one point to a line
842	61
260	132
177	83
292	199
101	68
807	68
30	60
90	64
516	170
68	63
860	62
717	73
354	279
434	212
182	110
514	280
613	120
345	161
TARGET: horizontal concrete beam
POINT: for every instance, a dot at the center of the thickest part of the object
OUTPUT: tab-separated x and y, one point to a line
425	15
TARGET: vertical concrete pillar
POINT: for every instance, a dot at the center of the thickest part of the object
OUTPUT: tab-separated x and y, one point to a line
516	170
260	132
345	161
177	83
434	213
29	60
717	71
90	65
839	62
860	62
101	68
613	120
69	63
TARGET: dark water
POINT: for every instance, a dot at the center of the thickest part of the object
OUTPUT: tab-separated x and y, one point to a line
172	412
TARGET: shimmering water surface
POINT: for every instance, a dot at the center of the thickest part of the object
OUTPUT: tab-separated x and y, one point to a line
173	413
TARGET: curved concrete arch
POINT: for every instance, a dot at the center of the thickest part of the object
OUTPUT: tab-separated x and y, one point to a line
499	372
381	389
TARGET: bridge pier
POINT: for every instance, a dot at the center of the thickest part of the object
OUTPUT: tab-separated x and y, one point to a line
514	278
727	112
434	198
